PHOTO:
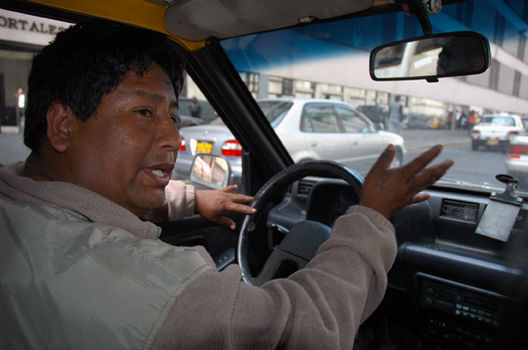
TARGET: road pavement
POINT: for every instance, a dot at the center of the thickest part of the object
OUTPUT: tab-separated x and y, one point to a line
420	140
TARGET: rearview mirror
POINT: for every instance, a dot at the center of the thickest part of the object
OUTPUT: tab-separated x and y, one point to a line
210	171
431	57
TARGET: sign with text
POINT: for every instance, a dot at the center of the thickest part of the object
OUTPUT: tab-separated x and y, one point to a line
26	29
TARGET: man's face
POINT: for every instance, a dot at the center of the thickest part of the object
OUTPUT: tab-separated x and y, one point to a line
126	151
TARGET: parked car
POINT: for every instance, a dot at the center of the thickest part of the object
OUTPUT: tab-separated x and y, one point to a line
417	121
494	131
309	129
517	161
185	120
524	119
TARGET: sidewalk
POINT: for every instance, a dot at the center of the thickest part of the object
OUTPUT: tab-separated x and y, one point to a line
8	129
419	140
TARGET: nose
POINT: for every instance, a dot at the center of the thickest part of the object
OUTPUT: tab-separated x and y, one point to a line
168	134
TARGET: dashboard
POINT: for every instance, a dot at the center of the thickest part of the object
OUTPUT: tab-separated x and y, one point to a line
449	287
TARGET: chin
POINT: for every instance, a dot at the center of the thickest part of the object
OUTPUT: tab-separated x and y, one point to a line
152	200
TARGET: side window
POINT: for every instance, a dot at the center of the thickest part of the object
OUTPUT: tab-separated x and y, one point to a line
196	119
21	37
319	118
351	120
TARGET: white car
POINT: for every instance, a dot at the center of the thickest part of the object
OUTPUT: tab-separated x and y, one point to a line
310	129
496	130
517	161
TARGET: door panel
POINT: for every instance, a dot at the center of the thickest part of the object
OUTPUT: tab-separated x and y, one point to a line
364	142
323	132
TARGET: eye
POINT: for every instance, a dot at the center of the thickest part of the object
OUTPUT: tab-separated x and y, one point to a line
174	118
144	112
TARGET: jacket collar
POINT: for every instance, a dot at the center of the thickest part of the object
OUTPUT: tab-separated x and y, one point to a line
93	206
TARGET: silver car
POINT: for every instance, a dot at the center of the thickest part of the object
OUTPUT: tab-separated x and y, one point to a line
310	129
517	161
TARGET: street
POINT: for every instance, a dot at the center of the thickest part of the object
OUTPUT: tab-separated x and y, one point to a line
477	168
12	147
473	167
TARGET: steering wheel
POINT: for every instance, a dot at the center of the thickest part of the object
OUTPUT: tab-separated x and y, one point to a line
300	243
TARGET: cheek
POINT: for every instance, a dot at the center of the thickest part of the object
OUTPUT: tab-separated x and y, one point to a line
126	150
113	157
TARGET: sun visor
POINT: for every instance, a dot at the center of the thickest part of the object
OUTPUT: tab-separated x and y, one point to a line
202	19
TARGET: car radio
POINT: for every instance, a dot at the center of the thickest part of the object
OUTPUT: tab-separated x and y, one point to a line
456	312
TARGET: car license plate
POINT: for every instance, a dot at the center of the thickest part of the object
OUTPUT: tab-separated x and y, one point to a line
493	142
204	147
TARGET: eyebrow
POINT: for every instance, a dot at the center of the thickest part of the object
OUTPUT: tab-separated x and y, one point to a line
157	97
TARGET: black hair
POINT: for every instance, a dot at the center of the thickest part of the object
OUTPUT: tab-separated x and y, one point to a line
87	61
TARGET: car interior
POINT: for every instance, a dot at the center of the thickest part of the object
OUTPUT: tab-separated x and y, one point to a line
459	279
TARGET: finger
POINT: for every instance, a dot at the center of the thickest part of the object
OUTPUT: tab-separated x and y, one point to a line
240	198
422	160
227	222
385	159
432	174
240	208
230	188
420	197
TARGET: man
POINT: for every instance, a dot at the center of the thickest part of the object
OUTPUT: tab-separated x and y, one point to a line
395	116
80	269
21	105
471	120
458	57
194	108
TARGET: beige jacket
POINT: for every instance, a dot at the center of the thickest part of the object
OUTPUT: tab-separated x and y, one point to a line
174	297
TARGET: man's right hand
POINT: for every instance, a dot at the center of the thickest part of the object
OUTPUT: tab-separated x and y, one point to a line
389	190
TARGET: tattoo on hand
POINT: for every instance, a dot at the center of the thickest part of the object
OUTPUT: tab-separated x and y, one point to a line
384	180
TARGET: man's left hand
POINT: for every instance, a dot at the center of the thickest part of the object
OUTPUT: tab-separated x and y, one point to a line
214	205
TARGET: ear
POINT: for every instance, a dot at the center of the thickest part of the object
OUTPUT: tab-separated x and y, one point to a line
59	124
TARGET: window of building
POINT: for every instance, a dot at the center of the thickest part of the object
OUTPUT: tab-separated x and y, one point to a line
251	80
494	74
287	87
522	47
498	30
517	83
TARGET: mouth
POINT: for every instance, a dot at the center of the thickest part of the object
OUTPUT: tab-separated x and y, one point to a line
160	172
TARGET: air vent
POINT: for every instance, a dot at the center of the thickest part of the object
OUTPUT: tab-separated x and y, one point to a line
305	186
459	210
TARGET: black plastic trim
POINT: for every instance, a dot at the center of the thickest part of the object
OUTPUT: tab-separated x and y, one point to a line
478	272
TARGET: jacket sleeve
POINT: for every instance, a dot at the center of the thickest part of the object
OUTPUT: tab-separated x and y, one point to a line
180	199
318	307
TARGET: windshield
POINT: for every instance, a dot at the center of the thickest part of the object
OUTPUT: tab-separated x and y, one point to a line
498	121
330	62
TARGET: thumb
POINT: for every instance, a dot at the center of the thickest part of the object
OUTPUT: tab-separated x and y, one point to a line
230	188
